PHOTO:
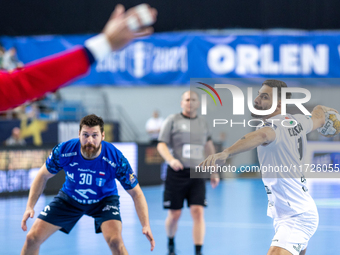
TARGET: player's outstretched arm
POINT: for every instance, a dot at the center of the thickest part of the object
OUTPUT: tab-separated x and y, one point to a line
163	149
36	189
248	142
318	115
142	211
48	74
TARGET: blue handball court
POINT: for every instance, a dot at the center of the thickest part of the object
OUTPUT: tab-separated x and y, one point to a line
236	223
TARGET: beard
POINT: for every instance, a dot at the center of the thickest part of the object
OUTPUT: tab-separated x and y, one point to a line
259	116
89	150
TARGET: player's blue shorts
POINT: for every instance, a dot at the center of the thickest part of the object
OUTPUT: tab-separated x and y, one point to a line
64	211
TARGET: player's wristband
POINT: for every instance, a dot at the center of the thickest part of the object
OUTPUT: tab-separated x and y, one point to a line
99	46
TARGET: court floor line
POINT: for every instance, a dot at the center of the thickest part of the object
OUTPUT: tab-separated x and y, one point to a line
209	224
241	225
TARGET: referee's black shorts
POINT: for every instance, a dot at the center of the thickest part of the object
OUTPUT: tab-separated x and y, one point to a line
179	186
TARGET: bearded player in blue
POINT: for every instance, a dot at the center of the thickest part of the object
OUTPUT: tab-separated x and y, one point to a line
91	166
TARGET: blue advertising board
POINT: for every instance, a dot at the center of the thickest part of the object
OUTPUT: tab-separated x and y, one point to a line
174	58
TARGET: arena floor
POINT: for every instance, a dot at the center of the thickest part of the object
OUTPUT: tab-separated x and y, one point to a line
236	224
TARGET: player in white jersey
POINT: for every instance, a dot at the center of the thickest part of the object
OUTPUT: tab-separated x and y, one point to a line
281	143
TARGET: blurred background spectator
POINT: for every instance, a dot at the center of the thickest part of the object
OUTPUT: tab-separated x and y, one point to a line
153	126
15	139
10	60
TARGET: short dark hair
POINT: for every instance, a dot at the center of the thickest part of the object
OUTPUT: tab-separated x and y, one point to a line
92	120
277	84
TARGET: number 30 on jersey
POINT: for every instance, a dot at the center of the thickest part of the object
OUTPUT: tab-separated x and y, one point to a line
85	179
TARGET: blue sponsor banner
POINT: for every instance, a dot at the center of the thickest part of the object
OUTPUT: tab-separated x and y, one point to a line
174	58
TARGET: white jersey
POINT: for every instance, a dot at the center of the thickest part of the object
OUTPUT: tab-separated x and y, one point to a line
286	185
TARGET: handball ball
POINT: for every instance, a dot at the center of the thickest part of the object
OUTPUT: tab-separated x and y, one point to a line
332	125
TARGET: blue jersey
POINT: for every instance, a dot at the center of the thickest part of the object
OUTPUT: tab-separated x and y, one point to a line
89	181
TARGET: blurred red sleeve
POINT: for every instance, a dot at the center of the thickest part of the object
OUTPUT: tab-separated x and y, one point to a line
41	76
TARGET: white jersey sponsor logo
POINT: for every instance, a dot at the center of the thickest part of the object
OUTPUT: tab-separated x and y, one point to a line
86	170
66	155
82	192
111	163
70	176
109	207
